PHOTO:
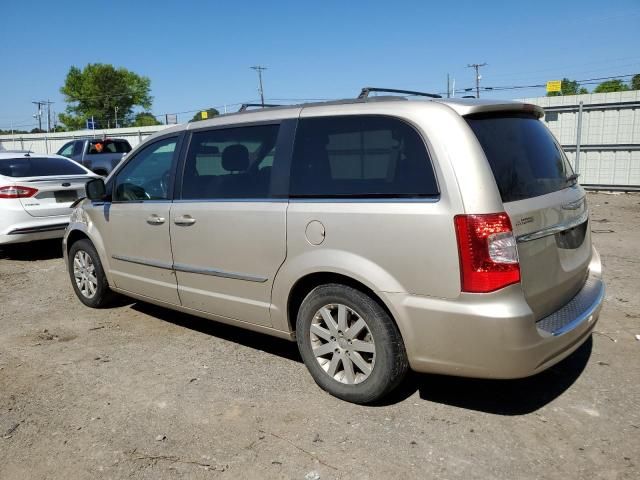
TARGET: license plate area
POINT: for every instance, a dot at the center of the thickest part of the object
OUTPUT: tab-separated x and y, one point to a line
65	196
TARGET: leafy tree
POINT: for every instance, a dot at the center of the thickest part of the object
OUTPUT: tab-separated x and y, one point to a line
211	112
98	89
145	119
611	86
635	82
569	87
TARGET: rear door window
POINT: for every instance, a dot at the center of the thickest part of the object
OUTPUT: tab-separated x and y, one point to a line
360	156
525	159
39	167
108	146
230	163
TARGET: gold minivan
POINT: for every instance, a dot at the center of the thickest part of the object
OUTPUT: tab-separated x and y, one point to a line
442	235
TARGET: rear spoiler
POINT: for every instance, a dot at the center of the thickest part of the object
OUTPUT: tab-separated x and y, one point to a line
474	107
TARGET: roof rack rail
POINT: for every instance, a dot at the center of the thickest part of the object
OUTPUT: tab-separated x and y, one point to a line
245	106
367	90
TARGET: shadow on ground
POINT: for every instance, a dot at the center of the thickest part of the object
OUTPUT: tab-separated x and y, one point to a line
32	251
259	341
500	397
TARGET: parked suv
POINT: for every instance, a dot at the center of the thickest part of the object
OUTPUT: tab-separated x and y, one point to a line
446	236
100	155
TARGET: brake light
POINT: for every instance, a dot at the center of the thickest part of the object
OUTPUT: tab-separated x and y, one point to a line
488	252
14	191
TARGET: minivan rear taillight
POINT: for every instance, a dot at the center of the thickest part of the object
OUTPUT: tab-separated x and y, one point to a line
13	191
488	252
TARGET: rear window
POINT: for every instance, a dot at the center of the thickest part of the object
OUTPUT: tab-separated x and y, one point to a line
524	157
109	146
360	156
39	167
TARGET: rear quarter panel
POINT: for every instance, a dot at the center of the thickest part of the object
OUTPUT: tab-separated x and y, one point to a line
390	246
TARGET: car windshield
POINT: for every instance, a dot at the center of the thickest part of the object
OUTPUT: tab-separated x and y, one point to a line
38	167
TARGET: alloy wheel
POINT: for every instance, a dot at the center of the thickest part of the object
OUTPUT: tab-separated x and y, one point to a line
342	344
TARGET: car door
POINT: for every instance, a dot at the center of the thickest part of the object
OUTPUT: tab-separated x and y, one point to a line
136	222
228	229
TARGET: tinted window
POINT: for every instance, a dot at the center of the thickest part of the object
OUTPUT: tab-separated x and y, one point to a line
39	167
360	156
230	163
77	147
109	146
524	157
147	175
66	150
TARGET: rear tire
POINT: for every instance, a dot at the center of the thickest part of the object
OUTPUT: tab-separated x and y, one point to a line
87	275
350	344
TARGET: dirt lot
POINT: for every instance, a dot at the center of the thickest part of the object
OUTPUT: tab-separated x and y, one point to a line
138	391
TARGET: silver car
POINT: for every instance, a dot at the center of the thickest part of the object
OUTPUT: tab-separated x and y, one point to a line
446	236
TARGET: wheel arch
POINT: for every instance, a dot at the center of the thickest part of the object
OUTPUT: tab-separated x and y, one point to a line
307	283
79	231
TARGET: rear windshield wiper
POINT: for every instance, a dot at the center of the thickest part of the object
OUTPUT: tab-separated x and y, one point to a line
572	178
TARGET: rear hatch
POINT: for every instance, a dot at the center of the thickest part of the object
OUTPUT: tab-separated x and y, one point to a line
546	206
52	183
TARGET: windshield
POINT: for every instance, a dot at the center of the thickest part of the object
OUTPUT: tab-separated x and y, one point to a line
39	167
525	159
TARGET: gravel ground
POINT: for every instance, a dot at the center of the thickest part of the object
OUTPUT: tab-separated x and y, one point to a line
142	392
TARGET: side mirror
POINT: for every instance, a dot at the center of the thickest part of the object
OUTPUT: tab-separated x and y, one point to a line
95	189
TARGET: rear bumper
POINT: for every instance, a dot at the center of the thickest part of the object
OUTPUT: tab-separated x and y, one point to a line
34	229
495	335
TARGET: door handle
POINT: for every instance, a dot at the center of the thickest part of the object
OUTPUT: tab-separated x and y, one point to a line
185	220
155	220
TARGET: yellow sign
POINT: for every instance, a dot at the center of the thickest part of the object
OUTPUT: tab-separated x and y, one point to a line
204	115
554	86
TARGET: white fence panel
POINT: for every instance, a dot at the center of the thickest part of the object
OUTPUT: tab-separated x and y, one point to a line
52	142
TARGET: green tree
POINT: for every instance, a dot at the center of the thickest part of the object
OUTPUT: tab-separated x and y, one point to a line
98	89
145	119
569	87
635	82
611	86
211	112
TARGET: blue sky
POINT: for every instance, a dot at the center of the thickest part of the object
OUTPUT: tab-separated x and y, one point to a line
198	53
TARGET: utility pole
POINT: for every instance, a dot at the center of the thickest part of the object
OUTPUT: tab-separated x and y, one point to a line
115	114
478	76
49	103
259	69
38	114
448	87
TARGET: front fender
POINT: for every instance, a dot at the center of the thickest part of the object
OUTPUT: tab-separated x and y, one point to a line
80	221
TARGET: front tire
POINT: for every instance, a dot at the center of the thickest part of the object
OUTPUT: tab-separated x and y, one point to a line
350	344
87	275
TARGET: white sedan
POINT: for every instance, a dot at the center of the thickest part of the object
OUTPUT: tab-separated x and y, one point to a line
36	193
